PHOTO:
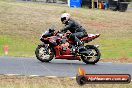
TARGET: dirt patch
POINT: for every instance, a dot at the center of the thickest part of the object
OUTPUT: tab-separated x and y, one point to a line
121	60
48	82
19	79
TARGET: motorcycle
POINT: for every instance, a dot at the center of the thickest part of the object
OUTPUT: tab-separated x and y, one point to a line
61	47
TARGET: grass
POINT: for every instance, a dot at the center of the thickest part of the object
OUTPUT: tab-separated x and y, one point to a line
44	82
22	23
17	46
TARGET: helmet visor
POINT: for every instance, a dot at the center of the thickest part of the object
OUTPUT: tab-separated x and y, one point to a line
63	19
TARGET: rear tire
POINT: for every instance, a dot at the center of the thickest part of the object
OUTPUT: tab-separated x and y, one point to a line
96	55
44	55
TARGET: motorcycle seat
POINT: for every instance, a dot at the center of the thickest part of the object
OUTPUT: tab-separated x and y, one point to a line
83	36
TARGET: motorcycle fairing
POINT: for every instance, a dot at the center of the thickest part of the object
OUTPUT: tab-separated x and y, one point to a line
90	37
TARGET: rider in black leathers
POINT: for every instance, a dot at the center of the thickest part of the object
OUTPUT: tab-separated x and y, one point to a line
76	29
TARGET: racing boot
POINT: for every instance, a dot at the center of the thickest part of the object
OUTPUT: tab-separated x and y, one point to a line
73	50
82	50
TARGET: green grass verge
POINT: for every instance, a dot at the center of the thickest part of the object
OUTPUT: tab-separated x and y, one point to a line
22	23
18	46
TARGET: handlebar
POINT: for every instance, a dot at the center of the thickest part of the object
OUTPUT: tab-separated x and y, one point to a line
63	34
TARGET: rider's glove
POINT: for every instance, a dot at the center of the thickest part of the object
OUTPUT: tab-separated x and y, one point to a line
60	34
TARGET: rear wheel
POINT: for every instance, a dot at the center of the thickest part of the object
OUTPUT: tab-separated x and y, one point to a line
44	53
94	55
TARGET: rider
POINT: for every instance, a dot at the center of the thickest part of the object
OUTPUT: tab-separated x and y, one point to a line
76	29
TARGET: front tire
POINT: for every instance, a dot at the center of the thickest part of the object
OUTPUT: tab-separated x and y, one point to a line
44	53
94	57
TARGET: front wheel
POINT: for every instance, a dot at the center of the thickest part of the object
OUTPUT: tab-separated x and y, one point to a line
44	53
94	55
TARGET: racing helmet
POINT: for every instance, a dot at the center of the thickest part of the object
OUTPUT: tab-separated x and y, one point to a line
65	17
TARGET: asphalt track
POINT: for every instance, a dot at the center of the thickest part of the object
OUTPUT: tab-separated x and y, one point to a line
59	68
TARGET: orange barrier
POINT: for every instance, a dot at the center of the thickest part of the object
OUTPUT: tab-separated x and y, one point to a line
6	48
101	6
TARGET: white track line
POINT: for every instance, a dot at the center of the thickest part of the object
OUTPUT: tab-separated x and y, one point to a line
12	74
36	76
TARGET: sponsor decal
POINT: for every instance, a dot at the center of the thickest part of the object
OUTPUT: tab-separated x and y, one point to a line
83	78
